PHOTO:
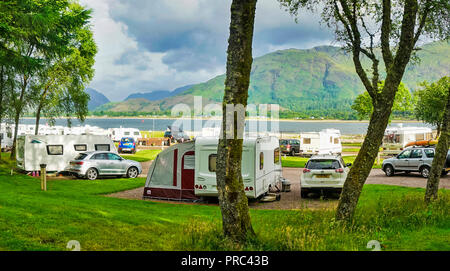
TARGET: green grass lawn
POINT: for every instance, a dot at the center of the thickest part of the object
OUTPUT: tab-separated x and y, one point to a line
77	210
300	162
142	156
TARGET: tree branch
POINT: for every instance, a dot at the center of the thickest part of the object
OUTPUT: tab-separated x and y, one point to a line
386	27
422	21
356	44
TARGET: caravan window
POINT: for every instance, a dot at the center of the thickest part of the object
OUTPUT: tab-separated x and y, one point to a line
127	133
102	147
420	137
261	160
55	149
336	141
306	141
136	133
212	164
80	147
276	156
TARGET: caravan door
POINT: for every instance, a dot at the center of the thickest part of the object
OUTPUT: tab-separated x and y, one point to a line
188	175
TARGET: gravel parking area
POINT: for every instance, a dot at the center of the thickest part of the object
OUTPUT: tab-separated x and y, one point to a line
292	200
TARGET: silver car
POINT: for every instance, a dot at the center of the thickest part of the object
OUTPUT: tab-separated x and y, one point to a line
416	159
91	165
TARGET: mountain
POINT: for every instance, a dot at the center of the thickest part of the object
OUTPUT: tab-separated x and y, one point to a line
97	99
157	94
318	79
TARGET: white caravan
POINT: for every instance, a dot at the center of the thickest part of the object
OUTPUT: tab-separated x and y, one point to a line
327	141
117	134
56	151
261	166
187	171
401	136
396	138
7	141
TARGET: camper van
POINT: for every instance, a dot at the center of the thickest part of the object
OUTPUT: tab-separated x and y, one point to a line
396	138
117	134
327	141
56	151
187	171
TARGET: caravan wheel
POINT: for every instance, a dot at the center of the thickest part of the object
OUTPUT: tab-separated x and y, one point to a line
92	174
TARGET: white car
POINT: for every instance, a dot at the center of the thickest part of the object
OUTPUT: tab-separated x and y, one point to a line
324	173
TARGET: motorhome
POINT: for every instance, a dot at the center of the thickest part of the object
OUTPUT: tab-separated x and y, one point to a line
56	151
187	171
117	134
396	138
327	141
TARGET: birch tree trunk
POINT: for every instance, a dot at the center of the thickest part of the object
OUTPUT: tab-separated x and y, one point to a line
382	103
232	199
440	157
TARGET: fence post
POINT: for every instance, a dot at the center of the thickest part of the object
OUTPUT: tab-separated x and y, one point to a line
43	177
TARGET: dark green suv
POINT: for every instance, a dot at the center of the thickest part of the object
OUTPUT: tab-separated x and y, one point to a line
290	146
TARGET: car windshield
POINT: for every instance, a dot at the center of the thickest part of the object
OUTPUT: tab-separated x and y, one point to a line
323	164
80	156
127	140
166	134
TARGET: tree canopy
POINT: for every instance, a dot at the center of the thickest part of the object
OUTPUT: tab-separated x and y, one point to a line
47	52
403	103
431	101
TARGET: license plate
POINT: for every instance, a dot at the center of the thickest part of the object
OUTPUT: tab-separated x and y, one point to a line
324	176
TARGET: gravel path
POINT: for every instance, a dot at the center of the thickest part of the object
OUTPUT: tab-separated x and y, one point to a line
292	200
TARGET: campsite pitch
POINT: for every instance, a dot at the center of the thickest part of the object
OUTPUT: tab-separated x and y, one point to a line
292	200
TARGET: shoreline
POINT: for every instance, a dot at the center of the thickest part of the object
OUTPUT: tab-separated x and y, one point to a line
248	119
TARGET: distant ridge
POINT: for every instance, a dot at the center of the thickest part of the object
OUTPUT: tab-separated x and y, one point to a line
97	99
157	94
321	79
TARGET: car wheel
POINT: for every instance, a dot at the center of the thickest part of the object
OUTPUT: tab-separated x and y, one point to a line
389	170
132	173
92	174
293	153
425	172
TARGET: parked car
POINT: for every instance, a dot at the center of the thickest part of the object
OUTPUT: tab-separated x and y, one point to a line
416	159
290	146
324	173
176	136
127	144
91	165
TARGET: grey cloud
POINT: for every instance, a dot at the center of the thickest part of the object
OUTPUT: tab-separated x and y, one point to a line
200	42
194	38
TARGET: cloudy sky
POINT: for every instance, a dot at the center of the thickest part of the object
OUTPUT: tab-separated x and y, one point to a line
147	45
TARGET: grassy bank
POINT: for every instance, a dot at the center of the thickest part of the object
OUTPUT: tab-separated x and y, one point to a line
78	210
142	156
